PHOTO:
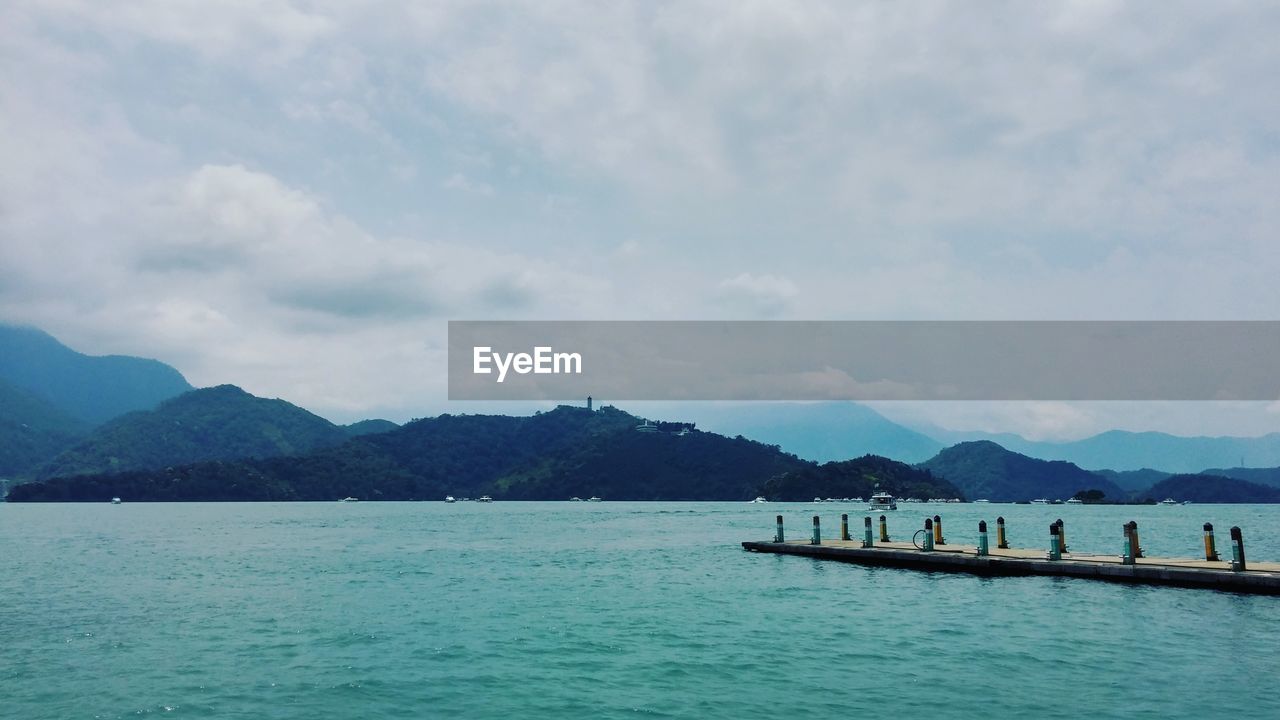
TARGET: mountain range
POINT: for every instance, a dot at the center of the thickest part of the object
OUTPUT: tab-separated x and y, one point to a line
553	455
64	414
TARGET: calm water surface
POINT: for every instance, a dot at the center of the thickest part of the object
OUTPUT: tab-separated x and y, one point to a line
382	610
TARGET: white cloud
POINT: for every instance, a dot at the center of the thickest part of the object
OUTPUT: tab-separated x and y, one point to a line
250	187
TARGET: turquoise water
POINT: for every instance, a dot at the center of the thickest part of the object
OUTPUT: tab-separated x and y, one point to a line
601	610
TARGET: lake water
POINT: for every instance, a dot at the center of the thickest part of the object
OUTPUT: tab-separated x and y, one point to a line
603	610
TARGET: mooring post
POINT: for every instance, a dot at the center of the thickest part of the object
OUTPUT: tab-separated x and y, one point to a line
777	536
937	531
1002	542
817	534
1128	557
1137	546
866	531
982	537
1055	543
1237	550
884	529
844	527
928	535
1210	547
1062	535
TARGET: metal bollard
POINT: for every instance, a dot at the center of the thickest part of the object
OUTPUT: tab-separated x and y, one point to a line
982	538
1001	541
1237	550
1137	546
1062	535
928	535
884	529
937	531
866	532
1128	557
777	536
817	534
1210	546
1055	543
844	527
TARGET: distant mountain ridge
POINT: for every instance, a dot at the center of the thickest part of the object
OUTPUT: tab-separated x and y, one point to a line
821	432
88	388
218	423
1123	450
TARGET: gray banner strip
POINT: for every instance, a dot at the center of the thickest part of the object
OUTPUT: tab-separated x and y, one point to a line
864	360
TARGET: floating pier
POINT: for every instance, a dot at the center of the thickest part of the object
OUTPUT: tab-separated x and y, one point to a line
1055	560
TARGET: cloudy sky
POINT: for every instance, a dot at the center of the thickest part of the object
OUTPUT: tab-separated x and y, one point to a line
296	196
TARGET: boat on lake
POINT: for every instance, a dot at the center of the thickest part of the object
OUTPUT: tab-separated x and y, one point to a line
449	499
349	499
882	501
759	500
1040	501
1168	501
484	498
115	501
595	498
1075	501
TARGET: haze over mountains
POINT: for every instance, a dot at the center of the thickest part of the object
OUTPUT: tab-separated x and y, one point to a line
53	401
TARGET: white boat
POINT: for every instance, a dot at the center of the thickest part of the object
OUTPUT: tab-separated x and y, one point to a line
115	501
1040	501
484	498
760	500
882	501
594	498
982	500
1168	501
1075	501
349	499
450	498
575	498
817	499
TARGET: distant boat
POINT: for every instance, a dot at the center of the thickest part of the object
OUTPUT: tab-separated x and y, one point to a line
982	500
575	498
760	500
1075	501
1040	501
449	499
883	501
1168	501
484	498
349	499
594	498
115	501
817	499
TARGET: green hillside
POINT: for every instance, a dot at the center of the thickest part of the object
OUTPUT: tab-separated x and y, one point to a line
549	456
983	469
860	477
369	427
32	431
219	423
1203	488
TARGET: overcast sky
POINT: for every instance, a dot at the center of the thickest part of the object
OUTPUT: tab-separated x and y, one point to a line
296	196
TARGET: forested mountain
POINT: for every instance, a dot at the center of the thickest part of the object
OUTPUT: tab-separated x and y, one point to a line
218	423
32	430
552	455
860	477
983	469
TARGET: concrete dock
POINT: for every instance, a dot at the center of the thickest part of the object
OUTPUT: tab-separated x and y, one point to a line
1261	578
